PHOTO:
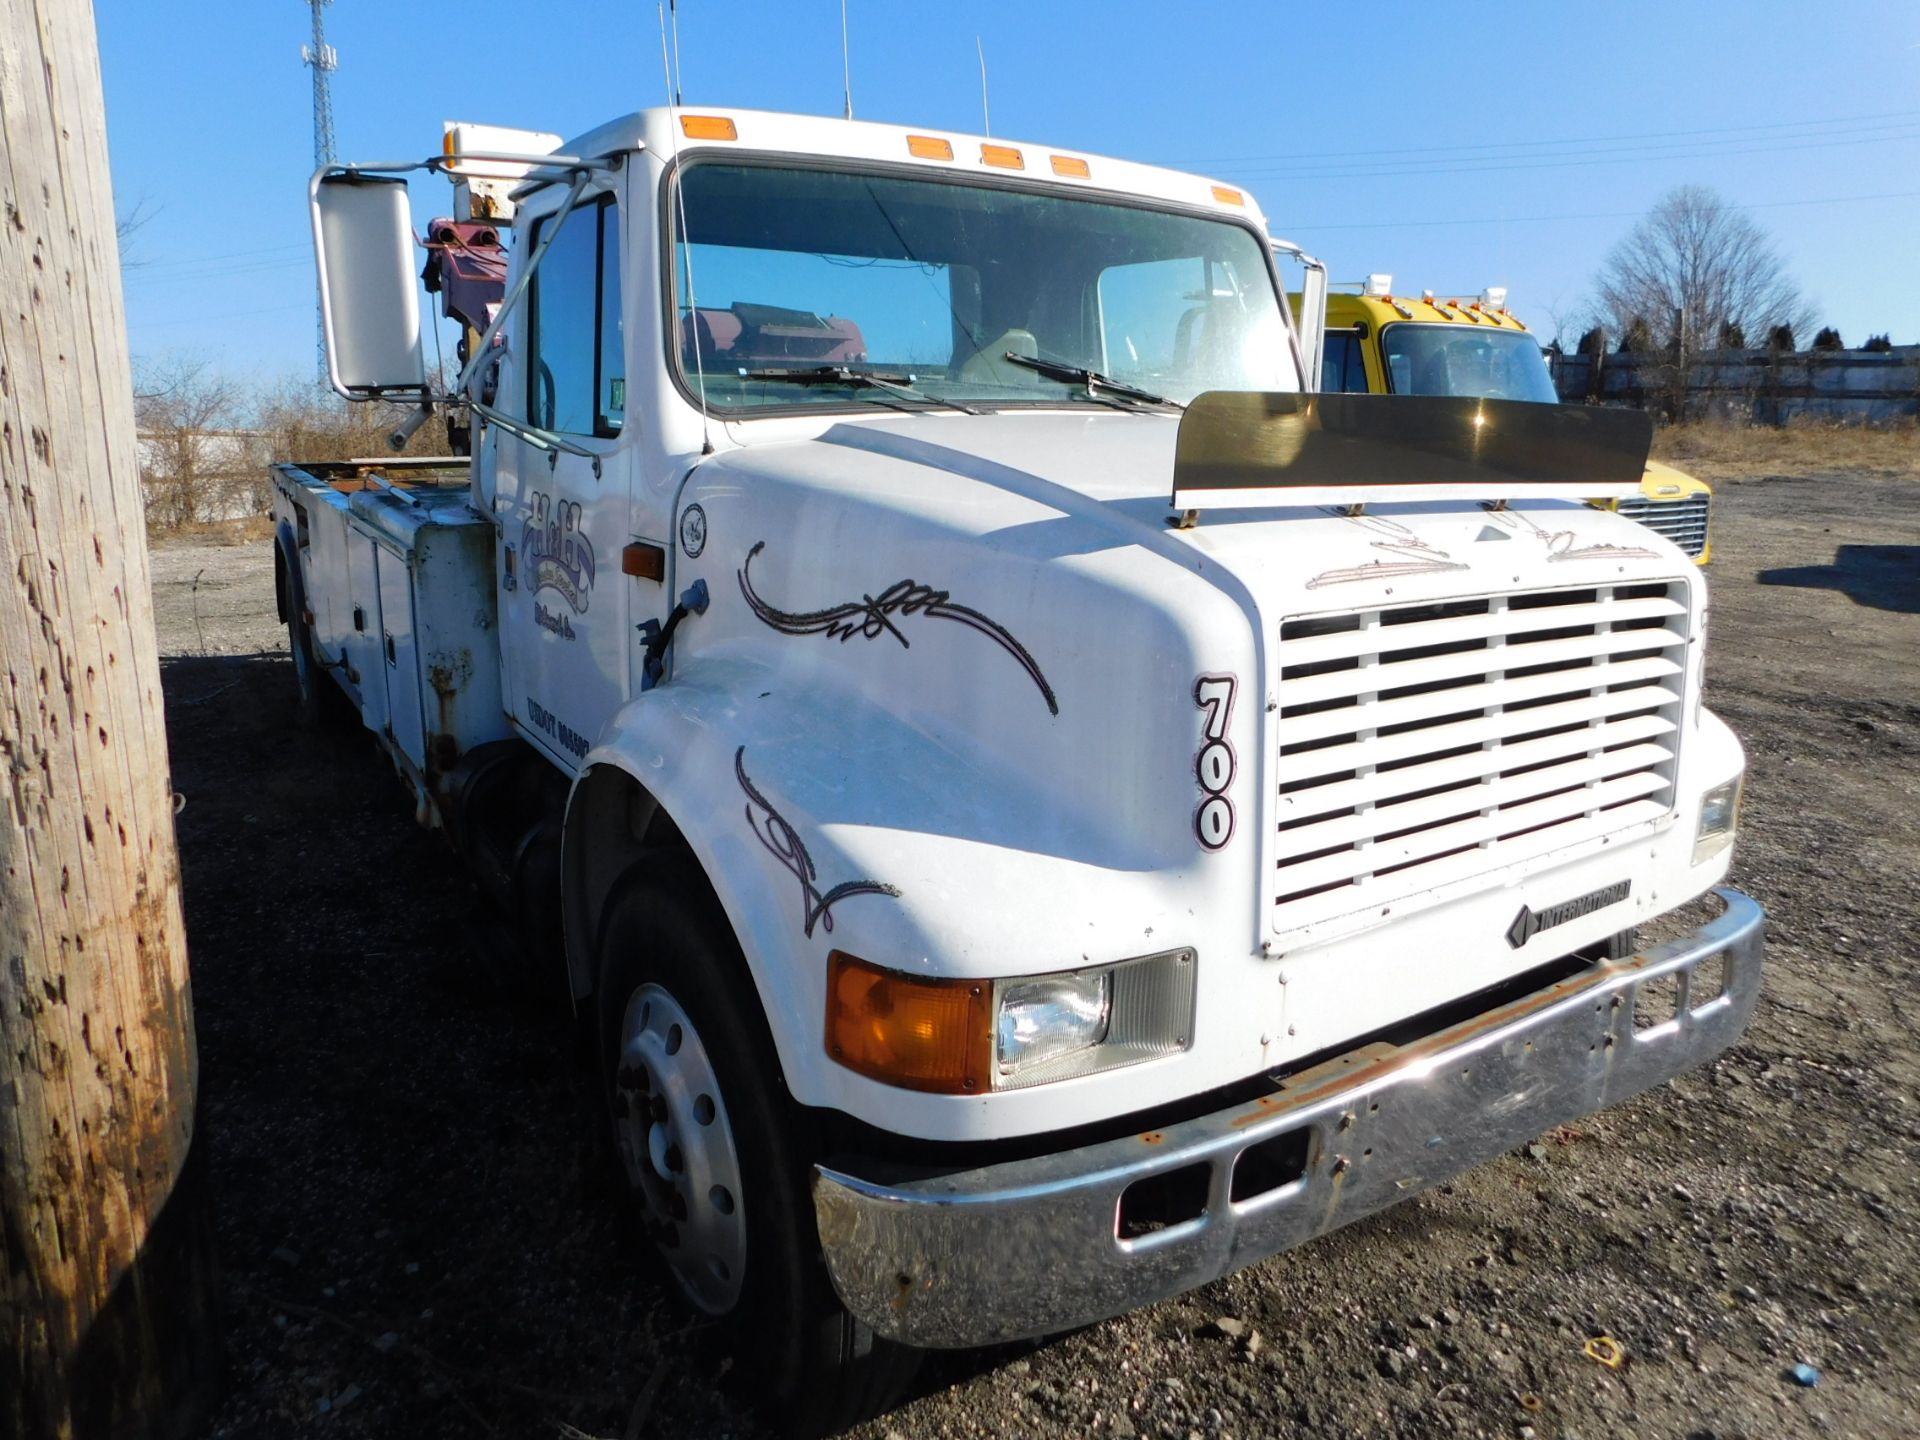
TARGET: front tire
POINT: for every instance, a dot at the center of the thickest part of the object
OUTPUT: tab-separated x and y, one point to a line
719	1157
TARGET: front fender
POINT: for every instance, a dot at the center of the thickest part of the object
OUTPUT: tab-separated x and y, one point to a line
824	822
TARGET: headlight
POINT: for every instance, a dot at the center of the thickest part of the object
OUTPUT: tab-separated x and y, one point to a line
961	1037
1719	818
1079	1022
1041	1021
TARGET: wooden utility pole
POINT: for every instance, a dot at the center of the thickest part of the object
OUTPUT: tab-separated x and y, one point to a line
106	1275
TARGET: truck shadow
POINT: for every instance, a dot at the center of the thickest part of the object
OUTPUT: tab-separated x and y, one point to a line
1885	577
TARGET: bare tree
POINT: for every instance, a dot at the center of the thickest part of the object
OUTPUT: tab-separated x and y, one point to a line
298	421
199	462
1695	268
126	225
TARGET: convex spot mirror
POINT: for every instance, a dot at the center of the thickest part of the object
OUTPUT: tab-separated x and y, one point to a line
369	296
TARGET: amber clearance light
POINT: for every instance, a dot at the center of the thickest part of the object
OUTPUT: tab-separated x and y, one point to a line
708	127
905	1030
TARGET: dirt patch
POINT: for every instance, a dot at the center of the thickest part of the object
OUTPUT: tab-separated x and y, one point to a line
416	1226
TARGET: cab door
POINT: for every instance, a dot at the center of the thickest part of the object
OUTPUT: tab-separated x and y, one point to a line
564	515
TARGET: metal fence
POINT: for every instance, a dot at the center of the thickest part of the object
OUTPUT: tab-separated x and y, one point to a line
1765	386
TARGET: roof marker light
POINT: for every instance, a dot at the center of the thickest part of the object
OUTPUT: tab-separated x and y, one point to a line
708	127
1071	165
1005	157
1226	195
929	147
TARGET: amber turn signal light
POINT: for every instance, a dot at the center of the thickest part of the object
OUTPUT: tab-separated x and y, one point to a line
919	1034
643	560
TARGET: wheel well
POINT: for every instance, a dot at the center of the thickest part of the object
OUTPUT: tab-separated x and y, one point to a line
613	823
282	580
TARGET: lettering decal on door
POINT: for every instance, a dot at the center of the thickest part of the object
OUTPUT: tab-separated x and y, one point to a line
1216	763
558	557
564	735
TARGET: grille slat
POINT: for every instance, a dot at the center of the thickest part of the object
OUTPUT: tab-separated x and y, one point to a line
1427	743
1383	713
1485	729
1346	644
1473	661
1473	860
1682	521
1434	815
1444	838
1472	766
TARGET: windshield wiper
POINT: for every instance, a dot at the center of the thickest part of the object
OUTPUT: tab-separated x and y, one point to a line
900	385
1093	380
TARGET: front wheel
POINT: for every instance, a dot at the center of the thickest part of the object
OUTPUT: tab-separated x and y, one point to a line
719	1157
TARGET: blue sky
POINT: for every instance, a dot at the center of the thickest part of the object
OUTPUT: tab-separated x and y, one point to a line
1455	145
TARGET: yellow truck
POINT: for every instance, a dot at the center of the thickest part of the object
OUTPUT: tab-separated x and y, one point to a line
1378	343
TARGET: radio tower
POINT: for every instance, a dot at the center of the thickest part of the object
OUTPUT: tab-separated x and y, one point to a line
321	57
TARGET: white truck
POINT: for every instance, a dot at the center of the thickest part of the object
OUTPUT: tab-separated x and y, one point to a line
1037	811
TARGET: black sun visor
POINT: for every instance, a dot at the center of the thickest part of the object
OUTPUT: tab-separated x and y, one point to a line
1247	449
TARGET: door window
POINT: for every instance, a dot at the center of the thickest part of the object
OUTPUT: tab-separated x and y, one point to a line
576	366
1345	368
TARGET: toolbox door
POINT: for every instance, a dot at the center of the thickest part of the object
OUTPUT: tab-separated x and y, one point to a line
400	657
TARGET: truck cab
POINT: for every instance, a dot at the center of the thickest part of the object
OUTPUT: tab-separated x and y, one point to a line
1037	811
1380	343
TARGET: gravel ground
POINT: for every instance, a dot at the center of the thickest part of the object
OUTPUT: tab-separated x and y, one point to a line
417	1225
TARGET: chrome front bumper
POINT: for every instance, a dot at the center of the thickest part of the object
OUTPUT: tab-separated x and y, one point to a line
1033	1246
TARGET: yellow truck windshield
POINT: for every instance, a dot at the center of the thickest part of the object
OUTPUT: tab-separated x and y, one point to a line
1464	360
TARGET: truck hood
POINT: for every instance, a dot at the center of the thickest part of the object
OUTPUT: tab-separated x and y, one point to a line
1109	476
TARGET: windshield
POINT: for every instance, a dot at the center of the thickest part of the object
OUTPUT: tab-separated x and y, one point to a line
932	283
1462	360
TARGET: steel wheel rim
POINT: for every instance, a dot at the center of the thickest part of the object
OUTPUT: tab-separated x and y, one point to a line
677	1145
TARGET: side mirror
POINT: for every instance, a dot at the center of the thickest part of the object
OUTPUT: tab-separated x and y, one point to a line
369	294
1311	317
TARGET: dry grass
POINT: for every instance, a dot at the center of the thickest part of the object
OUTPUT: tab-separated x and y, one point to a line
218	532
1806	448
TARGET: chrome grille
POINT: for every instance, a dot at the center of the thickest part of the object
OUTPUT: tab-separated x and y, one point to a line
1425	744
1682	521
